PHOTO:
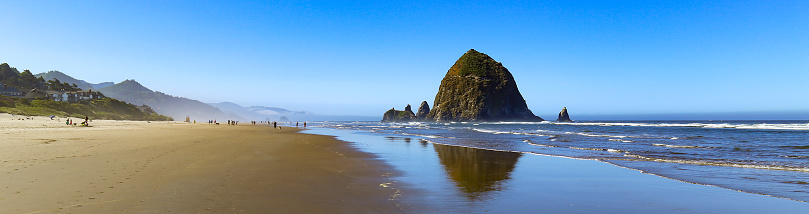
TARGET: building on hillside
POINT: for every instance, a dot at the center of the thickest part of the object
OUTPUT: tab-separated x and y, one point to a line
74	96
9	91
35	93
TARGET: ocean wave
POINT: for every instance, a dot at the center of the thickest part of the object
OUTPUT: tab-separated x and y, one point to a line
714	163
596	135
599	149
542	145
763	126
490	131
795	156
421	135
519	123
679	146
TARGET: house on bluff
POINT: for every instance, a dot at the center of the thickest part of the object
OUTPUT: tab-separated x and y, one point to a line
74	96
9	91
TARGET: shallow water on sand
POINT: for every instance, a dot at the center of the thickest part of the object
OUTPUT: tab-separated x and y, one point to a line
764	157
439	178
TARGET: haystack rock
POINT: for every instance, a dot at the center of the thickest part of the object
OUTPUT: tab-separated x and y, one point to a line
478	88
424	109
563	116
394	115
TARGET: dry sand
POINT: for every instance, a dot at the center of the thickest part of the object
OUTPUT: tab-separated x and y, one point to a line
162	167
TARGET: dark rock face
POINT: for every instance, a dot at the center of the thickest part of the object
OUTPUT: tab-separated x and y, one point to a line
424	109
563	116
409	110
478	88
394	115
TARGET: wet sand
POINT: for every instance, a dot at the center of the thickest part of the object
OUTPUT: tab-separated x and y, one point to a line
454	179
162	167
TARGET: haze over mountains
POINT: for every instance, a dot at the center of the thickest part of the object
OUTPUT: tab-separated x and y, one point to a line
179	107
68	79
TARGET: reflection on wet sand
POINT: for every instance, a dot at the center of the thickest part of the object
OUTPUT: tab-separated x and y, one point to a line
423	143
476	171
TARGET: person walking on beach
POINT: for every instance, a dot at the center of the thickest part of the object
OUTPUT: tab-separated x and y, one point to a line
304	125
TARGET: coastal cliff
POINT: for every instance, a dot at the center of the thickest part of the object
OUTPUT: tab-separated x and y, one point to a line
478	88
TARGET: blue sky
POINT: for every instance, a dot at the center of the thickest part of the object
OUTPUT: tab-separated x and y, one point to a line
364	57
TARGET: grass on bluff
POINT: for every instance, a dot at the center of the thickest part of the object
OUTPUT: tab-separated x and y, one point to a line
105	109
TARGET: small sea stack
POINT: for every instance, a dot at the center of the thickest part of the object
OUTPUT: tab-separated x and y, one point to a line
424	109
394	115
563	116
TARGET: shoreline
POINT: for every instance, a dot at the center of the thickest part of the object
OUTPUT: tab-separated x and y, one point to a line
473	179
133	166
126	166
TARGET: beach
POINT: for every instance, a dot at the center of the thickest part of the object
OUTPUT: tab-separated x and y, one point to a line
177	167
161	167
446	178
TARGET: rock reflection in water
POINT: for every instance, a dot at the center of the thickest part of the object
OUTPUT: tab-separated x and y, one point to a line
423	143
476	171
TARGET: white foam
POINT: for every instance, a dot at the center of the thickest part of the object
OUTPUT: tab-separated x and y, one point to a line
582	148
520	123
677	146
542	145
783	126
711	163
596	135
491	131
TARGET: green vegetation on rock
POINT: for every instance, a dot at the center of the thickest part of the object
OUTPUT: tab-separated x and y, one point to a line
105	109
394	115
478	88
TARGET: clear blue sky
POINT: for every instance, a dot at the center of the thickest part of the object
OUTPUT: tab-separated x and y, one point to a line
362	58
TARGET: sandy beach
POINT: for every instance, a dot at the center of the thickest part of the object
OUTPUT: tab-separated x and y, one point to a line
176	167
162	167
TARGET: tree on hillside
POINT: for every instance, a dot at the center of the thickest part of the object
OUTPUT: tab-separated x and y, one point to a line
57	85
7	72
25	80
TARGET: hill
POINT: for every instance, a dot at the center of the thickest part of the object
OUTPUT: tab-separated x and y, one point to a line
263	113
177	107
105	109
62	77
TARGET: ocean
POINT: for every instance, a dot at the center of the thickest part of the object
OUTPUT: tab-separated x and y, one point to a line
762	157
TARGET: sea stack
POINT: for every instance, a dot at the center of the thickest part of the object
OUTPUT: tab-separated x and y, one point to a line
394	115
424	109
478	88
563	116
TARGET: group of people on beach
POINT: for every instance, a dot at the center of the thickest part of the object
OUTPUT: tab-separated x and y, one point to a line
86	122
273	123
